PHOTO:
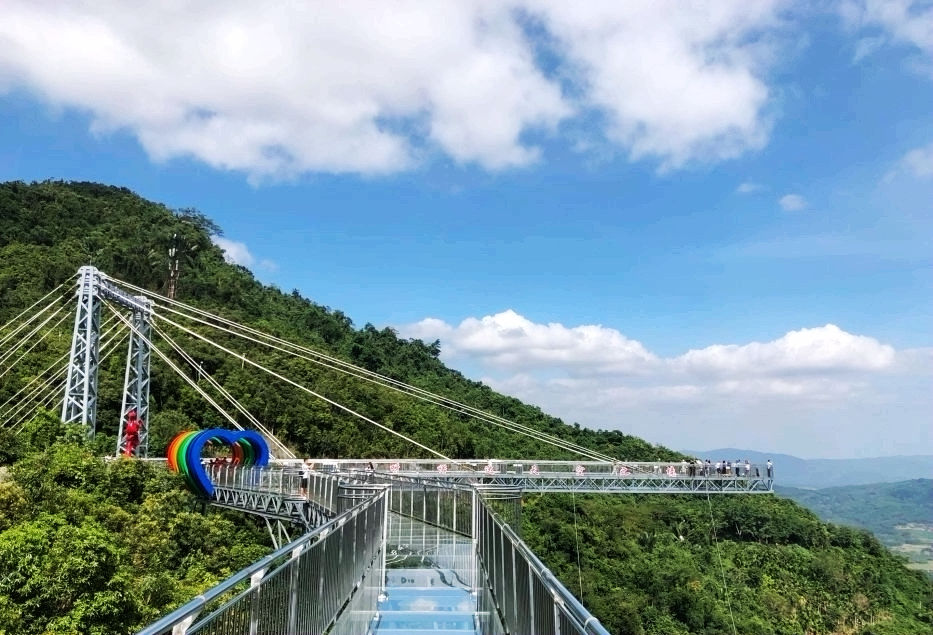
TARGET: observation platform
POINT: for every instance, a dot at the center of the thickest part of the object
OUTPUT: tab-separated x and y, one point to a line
580	477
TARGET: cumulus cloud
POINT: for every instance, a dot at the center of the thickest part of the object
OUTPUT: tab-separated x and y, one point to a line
792	202
239	254
823	349
823	378
677	82
748	187
511	340
235	252
379	87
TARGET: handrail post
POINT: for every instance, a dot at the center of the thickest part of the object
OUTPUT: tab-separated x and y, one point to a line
182	627
293	590
385	538
254	583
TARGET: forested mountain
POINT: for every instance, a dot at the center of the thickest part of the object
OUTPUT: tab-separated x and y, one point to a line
899	514
648	564
878	507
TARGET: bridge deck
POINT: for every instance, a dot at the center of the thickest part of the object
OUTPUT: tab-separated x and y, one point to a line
624	477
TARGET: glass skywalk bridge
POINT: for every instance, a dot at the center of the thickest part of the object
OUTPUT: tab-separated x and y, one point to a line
417	549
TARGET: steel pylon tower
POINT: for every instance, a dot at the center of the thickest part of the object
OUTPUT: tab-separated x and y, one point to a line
136	380
80	402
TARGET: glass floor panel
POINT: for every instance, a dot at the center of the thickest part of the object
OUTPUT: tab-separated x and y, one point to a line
429	577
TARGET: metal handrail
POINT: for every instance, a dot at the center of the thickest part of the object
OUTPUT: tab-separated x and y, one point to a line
562	597
193	607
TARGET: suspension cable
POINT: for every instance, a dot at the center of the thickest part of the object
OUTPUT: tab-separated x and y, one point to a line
167	360
5	356
336	404
373	377
33	380
38	392
225	393
106	349
108	326
24	401
36	343
722	569
409	390
43	386
32	306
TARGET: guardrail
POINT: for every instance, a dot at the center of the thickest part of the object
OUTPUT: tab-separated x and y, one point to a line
528	596
429	468
300	588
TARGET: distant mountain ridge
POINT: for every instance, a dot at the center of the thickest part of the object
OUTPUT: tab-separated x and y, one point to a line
792	471
880	507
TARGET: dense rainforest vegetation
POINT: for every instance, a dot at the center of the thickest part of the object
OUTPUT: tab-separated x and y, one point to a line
95	546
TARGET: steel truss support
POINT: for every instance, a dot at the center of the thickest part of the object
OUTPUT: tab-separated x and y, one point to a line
136	380
273	506
80	402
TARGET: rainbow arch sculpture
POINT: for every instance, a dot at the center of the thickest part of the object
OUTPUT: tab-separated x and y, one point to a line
184	454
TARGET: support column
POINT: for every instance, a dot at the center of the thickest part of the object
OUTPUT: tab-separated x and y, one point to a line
136	380
80	401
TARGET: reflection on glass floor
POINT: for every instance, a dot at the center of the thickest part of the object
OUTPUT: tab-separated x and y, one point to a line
429	581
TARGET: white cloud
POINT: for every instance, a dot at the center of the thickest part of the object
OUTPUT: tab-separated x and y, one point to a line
677	82
234	252
748	187
378	87
815	391
867	46
238	253
919	162
792	202
509	340
903	22
823	349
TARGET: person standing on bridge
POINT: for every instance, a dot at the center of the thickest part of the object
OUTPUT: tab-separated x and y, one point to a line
305	477
132	433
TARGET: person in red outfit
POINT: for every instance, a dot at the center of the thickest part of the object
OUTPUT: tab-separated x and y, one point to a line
132	432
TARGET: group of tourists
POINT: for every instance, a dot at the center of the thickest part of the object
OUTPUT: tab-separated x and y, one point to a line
724	468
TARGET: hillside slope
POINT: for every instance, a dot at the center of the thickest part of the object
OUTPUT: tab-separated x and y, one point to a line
649	564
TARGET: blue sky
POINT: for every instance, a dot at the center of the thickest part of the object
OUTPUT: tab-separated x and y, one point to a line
640	217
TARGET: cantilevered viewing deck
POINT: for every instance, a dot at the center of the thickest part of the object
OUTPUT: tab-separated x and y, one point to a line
631	477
